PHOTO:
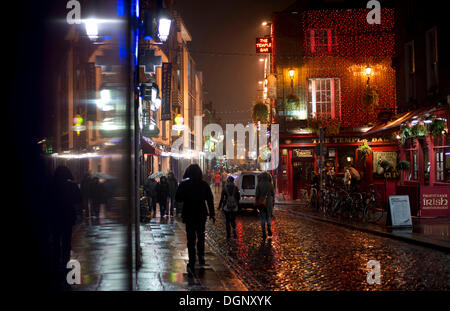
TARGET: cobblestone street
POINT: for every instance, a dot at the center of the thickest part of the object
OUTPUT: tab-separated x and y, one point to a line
305	254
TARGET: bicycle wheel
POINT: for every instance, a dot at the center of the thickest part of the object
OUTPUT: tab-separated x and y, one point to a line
375	212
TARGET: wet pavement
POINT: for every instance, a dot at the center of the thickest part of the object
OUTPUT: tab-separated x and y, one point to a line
165	256
100	246
305	254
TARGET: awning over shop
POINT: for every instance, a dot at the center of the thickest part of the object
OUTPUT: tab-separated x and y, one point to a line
394	125
147	148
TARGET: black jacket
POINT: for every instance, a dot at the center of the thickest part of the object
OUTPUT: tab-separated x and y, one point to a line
229	190
162	191
195	194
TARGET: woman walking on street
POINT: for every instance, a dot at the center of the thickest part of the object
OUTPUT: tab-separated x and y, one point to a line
264	199
229	202
195	193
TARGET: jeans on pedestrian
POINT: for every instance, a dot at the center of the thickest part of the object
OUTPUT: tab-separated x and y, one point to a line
195	233
153	206
230	222
265	217
172	206
163	207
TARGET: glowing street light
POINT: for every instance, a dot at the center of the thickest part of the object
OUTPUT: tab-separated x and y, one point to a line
368	72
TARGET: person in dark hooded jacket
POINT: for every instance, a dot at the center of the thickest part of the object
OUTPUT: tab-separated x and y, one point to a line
64	196
162	193
195	194
229	202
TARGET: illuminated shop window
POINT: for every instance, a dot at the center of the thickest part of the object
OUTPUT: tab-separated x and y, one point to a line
442	157
322	41
324	98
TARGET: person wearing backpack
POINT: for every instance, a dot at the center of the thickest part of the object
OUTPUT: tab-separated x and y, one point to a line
229	202
264	199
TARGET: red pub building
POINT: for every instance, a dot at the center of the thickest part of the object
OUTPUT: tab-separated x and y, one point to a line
334	71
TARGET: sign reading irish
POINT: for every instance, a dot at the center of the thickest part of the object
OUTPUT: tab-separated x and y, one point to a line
435	201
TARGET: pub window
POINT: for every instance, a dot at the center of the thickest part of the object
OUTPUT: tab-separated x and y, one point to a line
321	41
442	157
426	166
324	98
414	172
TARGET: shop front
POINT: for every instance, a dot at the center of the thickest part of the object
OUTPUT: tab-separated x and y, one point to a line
300	154
424	159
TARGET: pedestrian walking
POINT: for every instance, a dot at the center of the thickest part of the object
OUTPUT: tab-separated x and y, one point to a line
224	178
85	192
173	186
97	196
264	200
217	181
150	192
229	203
162	193
64	196
195	194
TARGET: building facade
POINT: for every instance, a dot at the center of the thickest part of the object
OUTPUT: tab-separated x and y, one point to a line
334	72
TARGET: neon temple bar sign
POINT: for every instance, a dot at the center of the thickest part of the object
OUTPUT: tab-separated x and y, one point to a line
264	45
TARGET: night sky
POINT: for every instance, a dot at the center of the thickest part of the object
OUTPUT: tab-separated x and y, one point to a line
228	27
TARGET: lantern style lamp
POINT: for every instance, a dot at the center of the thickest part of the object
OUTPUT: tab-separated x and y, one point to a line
291	75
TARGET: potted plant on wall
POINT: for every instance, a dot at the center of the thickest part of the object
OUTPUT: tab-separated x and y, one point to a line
260	113
437	127
403	166
405	134
363	152
419	131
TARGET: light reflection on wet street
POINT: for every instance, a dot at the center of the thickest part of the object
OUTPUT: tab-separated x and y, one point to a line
305	254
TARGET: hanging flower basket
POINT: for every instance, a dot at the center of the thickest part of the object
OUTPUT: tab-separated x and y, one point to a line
260	113
437	127
364	151
419	131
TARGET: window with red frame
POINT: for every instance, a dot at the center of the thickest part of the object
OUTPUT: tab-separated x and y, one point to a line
321	41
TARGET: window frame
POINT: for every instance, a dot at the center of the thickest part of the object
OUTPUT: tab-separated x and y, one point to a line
331	43
335	97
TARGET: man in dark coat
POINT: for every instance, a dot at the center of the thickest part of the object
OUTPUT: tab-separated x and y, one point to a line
195	193
150	191
65	194
162	193
173	186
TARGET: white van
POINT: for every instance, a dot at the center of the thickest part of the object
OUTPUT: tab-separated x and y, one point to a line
247	182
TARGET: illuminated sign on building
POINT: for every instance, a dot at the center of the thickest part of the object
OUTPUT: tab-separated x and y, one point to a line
264	45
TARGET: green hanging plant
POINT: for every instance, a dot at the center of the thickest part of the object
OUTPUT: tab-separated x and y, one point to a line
260	113
419	130
364	150
437	127
405	133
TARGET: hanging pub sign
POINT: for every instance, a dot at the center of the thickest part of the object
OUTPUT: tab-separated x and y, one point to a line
263	45
166	91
